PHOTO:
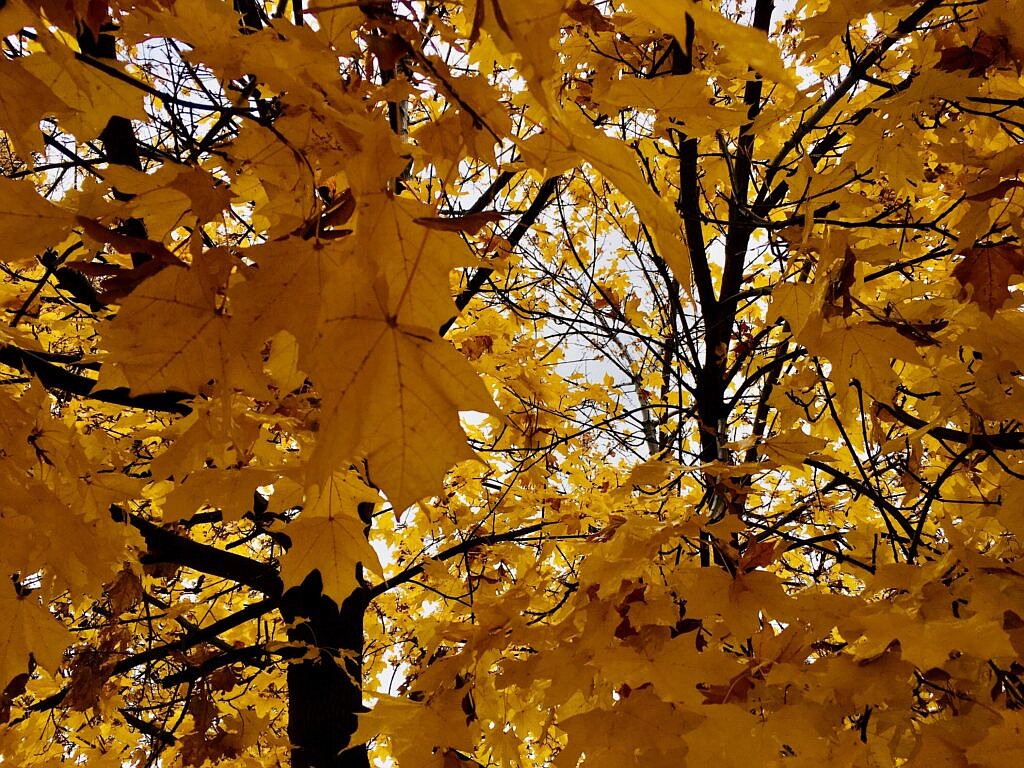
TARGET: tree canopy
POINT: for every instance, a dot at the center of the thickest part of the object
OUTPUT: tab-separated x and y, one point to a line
511	383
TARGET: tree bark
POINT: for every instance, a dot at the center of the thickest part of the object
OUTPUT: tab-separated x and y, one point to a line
325	693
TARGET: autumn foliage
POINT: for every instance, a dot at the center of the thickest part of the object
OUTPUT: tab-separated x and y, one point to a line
512	383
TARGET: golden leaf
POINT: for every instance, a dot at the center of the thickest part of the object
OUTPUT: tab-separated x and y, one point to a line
28	223
28	629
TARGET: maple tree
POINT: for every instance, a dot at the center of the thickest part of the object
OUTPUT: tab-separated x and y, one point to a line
511	383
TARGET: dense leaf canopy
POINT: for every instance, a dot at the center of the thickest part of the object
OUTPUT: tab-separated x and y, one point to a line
511	383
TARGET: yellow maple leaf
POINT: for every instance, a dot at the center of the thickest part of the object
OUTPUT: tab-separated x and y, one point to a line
523	29
230	490
417	731
365	312
28	223
687	100
335	546
864	351
617	164
415	257
27	628
329	535
743	43
397	403
24	101
170	333
92	96
792	446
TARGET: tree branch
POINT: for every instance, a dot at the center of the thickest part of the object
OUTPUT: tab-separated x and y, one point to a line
55	377
166	546
1001	441
454	551
203	634
853	76
480	277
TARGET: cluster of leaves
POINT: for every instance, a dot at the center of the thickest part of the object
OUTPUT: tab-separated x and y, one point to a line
511	383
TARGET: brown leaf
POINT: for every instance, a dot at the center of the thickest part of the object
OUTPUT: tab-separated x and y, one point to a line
340	210
475	346
736	690
471	222
985	274
625	629
124	281
389	50
590	16
987	51
13	690
998	192
758	554
126	243
962	57
125	591
837	298
89	673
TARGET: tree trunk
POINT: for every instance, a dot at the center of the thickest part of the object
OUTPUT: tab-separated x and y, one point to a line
325	693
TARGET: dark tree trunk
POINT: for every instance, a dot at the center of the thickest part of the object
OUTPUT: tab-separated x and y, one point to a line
325	693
